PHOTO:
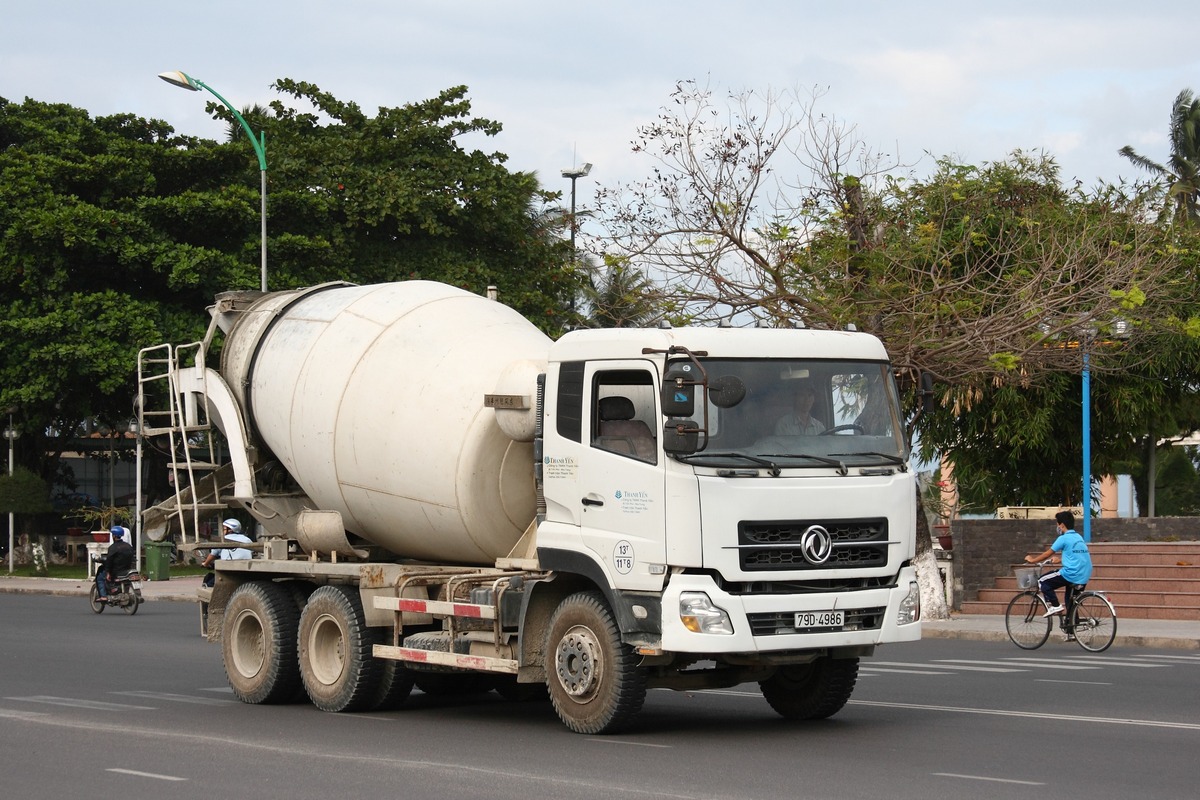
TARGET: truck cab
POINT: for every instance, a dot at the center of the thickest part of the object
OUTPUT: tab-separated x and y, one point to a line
676	473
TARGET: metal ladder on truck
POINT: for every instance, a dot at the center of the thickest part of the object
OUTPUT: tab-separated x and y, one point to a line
177	413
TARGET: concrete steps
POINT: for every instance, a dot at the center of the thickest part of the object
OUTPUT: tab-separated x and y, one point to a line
1144	580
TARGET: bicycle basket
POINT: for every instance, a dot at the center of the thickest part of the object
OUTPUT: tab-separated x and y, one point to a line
1027	577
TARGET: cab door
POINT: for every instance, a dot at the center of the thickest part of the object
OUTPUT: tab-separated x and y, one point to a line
621	485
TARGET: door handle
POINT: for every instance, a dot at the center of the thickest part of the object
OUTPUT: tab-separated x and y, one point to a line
588	501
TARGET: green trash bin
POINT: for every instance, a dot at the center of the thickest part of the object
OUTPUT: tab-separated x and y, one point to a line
158	561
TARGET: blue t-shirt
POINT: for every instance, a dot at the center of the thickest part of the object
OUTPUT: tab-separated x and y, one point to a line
1076	561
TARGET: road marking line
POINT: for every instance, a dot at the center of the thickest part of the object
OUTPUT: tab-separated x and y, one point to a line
903	671
985	778
1078	683
1024	662
996	712
179	698
964	666
154	775
72	702
1171	658
1117	662
606	740
6	714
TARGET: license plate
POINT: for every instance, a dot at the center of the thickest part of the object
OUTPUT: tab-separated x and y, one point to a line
136	584
820	619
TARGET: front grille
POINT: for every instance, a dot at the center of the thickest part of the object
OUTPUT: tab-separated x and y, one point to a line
778	623
778	545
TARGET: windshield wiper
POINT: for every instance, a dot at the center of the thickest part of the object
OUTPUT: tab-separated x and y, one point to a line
833	462
775	471
891	459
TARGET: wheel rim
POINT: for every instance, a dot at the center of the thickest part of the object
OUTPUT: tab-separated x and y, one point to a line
248	650
577	663
327	649
1026	626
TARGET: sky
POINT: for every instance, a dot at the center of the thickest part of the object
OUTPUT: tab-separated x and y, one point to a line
572	82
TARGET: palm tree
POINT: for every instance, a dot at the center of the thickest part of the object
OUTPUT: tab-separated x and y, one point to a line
621	296
1182	171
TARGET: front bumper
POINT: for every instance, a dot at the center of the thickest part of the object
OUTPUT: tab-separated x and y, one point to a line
762	623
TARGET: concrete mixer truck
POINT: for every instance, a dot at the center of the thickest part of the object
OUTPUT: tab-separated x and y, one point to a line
448	499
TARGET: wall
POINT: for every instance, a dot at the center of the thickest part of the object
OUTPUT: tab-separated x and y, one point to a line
987	548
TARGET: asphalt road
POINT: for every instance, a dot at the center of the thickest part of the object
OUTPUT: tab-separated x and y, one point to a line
138	706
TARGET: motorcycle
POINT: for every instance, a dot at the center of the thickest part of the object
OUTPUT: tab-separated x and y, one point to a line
125	592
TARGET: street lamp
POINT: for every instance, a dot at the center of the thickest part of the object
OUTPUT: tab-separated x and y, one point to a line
574	173
185	81
11	434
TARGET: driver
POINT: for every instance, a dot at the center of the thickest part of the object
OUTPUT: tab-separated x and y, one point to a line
800	422
119	559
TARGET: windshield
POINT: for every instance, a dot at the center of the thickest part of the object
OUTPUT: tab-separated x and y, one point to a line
808	413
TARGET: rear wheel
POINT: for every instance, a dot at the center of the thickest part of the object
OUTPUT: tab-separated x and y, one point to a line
133	600
395	685
1024	622
94	597
1094	622
339	671
258	643
593	678
811	691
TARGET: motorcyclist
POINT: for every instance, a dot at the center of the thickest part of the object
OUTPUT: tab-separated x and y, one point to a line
117	560
231	530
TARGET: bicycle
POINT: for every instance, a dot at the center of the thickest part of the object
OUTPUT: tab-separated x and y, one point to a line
1090	618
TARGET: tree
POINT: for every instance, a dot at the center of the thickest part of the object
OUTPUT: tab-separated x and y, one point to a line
984	276
1181	173
116	233
620	296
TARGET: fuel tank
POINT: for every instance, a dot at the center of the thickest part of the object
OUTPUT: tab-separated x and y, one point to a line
372	397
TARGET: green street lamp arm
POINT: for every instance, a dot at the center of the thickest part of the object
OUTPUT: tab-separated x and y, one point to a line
185	81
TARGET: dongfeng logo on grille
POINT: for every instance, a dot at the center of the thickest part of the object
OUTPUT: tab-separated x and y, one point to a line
816	544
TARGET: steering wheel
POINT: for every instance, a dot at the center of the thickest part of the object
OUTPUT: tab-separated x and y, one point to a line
840	428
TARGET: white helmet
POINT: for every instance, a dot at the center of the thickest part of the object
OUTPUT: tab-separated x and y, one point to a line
233	525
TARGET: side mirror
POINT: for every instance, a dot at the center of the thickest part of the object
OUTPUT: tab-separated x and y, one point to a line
679	389
681	436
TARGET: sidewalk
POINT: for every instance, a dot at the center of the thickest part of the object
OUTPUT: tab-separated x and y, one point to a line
179	589
1154	633
1158	634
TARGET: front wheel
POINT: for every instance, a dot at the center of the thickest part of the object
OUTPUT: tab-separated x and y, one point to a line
94	597
811	691
1024	622
593	678
1094	622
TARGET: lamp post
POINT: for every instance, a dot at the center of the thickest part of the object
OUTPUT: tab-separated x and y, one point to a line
11	434
574	173
1087	448
185	81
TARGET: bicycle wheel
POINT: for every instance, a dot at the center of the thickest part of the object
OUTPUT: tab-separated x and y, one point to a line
1024	622
1095	622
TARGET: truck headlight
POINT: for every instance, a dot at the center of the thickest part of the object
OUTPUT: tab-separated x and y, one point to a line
699	615
910	606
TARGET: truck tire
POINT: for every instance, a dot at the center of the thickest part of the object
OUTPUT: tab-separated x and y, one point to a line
395	685
336	664
258	644
811	691
592	677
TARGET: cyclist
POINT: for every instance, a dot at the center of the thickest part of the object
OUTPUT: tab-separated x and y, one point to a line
1072	552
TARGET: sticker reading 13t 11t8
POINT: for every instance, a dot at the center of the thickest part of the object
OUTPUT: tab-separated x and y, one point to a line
623	557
